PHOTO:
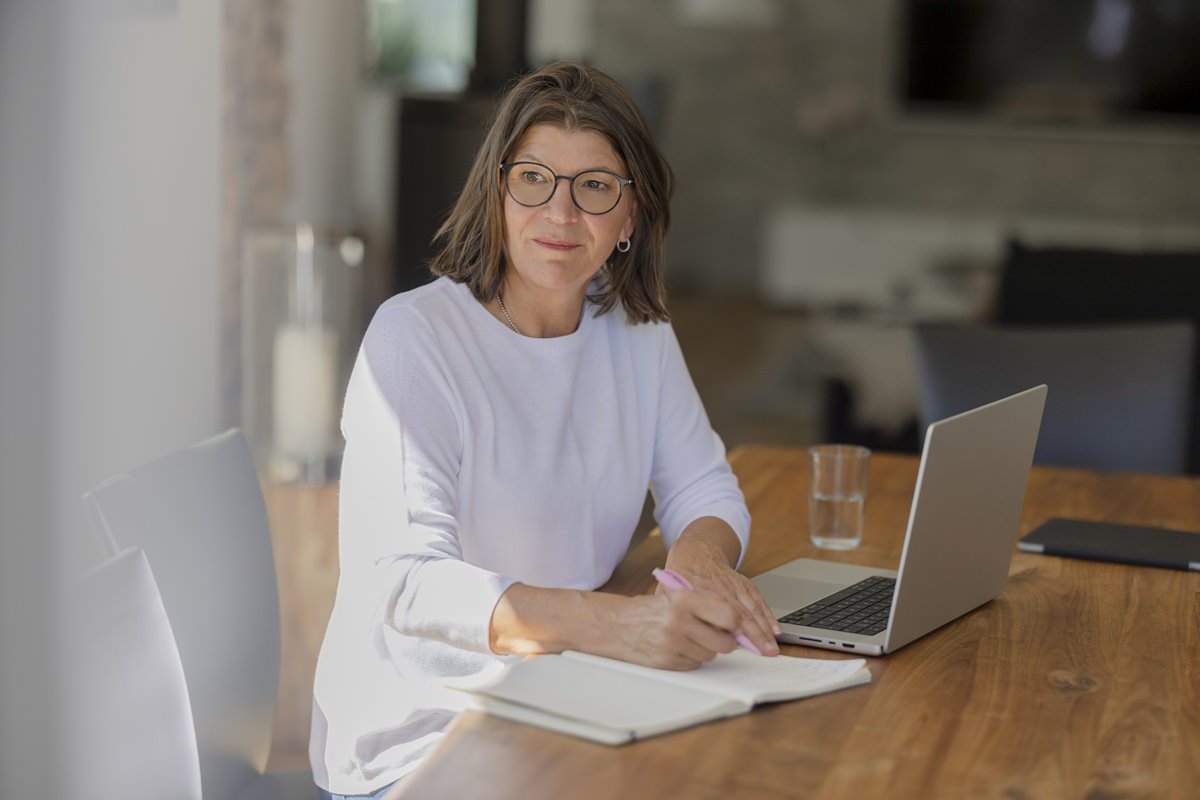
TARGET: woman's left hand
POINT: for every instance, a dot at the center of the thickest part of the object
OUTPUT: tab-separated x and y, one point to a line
706	565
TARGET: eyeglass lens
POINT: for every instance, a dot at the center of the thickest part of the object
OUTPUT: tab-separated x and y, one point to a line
595	192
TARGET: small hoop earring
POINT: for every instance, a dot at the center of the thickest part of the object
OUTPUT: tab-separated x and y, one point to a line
624	249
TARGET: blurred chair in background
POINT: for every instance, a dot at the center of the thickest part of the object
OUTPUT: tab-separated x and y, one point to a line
199	516
129	718
1085	286
1120	397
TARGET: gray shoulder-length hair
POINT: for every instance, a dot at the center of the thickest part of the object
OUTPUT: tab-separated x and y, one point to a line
576	98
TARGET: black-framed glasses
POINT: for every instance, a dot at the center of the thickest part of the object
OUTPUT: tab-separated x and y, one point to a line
596	191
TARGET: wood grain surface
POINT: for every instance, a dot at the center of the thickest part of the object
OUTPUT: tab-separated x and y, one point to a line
303	522
1081	680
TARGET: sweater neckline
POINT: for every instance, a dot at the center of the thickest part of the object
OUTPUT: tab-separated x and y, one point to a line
497	329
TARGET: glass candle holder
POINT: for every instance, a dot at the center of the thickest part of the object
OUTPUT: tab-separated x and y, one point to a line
301	322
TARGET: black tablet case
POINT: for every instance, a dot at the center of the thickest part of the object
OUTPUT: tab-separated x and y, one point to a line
1106	541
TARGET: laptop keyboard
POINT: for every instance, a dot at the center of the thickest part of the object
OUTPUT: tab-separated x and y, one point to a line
862	608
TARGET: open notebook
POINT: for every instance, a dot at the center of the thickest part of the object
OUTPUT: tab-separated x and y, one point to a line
614	702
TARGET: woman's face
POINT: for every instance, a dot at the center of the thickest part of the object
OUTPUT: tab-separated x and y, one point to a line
557	246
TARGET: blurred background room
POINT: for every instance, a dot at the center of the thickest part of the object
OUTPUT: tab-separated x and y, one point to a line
203	202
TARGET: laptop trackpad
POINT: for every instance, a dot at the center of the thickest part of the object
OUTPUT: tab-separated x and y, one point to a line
784	595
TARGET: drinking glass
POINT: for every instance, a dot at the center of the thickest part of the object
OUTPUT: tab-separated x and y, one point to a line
837	494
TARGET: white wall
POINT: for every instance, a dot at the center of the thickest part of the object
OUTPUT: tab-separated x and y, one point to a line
324	65
136	287
27	70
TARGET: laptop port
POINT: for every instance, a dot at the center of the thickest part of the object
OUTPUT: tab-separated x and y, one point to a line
848	645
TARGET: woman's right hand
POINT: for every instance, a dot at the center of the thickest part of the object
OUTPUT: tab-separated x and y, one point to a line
675	630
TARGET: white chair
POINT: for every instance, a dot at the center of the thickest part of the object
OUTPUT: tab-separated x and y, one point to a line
199	515
130	727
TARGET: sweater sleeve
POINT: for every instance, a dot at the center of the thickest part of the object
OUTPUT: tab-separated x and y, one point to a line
398	499
690	476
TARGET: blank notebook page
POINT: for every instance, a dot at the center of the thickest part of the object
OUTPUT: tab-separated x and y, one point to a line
602	695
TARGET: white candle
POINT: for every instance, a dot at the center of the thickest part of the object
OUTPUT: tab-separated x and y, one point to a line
304	390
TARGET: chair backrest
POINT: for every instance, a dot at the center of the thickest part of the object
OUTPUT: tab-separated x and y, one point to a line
199	515
1120	396
1077	286
130	720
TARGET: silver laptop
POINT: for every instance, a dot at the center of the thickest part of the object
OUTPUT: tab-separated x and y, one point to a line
961	531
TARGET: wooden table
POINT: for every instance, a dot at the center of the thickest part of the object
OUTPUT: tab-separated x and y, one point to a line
303	522
1081	680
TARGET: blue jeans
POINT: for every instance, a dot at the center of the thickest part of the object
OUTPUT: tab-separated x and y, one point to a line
376	795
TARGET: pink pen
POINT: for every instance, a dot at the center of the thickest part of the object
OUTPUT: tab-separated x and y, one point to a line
672	581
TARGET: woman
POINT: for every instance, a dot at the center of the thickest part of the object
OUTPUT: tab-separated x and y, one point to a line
502	425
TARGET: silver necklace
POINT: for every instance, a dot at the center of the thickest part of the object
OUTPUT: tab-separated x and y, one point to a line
517	330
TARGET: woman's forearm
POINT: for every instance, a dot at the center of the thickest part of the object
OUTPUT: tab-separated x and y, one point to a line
529	620
679	631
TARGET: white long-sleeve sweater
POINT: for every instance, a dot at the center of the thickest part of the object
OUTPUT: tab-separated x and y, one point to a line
476	458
